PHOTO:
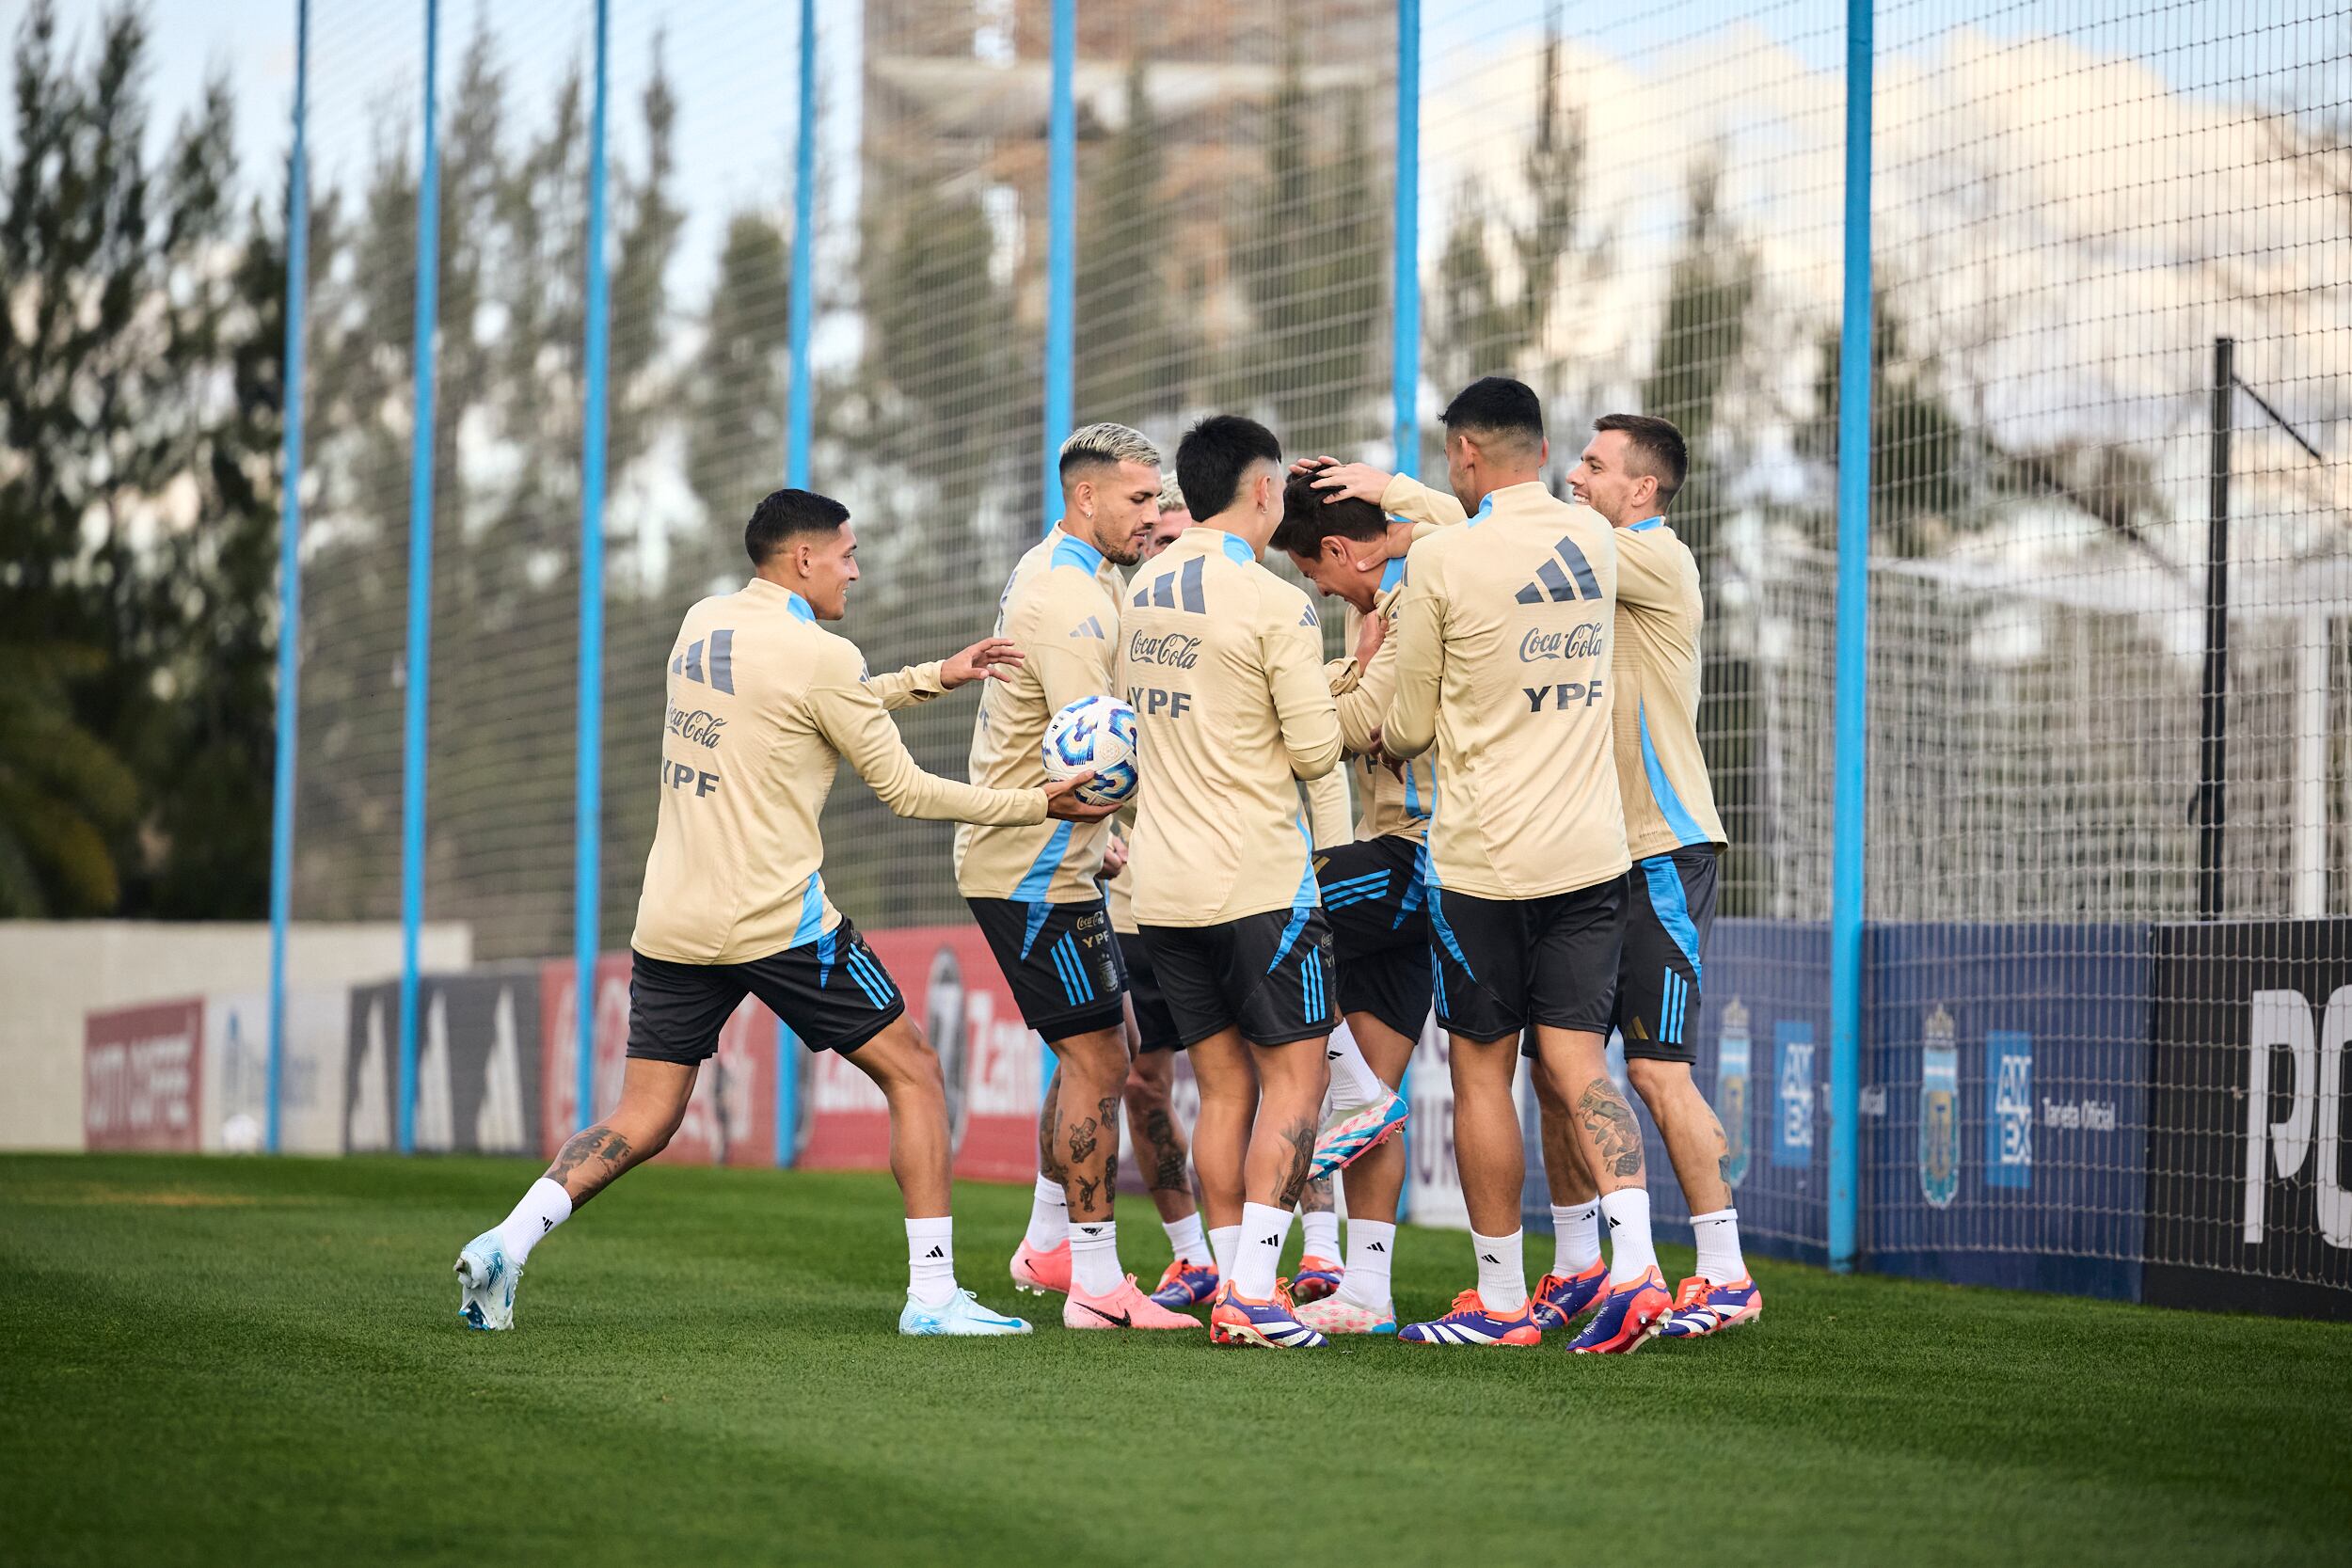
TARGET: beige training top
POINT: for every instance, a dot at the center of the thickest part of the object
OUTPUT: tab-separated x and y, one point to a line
1223	663
764	703
1502	659
1395	805
1060	608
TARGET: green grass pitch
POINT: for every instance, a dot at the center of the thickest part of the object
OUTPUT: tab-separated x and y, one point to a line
253	1361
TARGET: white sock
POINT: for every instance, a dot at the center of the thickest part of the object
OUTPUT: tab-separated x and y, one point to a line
1263	1230
1322	1233
1354	1085
931	1260
1719	1246
545	1206
1094	1257
1224	1241
1049	1216
1184	1240
1630	1252
1502	1272
1575	1237
1371	1256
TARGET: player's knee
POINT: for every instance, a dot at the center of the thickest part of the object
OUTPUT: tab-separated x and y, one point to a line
1659	1084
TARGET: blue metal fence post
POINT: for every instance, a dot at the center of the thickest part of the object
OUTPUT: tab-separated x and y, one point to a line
588	768
1850	799
1404	345
801	415
419	581
289	567
1061	280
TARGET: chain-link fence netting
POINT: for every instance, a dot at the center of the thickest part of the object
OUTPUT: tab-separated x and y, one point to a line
2091	753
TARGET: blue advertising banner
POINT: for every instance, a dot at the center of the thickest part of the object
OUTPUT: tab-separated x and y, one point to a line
2002	1104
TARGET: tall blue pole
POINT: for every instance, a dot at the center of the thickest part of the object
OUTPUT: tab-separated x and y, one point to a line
588	768
1850	776
1061	247
801	415
1404	347
289	567
419	581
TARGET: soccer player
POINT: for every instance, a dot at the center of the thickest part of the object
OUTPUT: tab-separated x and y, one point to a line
1502	660
1629	473
764	703
1372	890
1034	889
1223	664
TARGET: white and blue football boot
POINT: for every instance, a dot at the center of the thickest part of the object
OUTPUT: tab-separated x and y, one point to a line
486	1278
961	1314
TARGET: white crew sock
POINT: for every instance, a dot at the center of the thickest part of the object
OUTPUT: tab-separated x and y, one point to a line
1184	1240
1501	1273
1719	1246
545	1206
1575	1237
931	1260
1321	1230
1630	1252
1371	1256
1094	1257
1224	1241
1259	1260
1049	1216
1354	1085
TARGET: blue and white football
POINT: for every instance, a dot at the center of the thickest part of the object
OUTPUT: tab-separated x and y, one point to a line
1097	733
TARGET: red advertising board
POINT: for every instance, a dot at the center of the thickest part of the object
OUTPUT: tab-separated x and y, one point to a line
732	1118
141	1072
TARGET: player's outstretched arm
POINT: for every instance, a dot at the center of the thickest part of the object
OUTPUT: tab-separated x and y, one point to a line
1419	646
991	657
1292	653
852	719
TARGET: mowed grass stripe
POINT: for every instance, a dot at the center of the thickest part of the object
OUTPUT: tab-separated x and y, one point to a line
240	1361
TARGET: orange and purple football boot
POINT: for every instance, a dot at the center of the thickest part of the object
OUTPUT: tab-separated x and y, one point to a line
1236	1320
1469	1323
1186	1284
1702	1308
1560	1299
1317	1278
1628	1315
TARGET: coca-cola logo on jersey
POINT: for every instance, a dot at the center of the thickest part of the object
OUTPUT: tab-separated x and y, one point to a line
701	727
1171	649
1589	641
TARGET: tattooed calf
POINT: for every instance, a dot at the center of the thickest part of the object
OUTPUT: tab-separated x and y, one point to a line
1609	1122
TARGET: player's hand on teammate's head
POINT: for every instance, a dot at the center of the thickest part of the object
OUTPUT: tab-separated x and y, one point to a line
989	658
1339	480
1370	634
1062	802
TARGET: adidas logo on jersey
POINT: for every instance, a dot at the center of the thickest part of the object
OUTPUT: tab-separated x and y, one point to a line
1306	618
1553	583
1091	627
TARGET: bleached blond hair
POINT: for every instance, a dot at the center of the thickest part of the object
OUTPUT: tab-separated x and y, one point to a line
1172	495
1105	445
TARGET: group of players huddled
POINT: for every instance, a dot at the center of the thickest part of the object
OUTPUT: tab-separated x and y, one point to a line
1534	858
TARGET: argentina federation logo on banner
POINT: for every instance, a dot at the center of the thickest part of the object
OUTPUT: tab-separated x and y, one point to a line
2008	1108
1731	1090
1939	1111
1792	1120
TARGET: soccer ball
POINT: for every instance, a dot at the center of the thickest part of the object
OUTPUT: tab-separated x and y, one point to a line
1098	734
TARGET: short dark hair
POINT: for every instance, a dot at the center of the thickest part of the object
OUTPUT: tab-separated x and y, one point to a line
1657	446
1214	456
1497	405
782	514
1309	518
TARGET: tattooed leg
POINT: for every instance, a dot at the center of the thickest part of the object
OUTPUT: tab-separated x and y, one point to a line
1091	1069
1317	1197
1162	1154
1694	1136
1292	1080
653	1102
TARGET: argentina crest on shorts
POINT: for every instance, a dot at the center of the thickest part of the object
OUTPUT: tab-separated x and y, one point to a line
1939	1111
1731	1090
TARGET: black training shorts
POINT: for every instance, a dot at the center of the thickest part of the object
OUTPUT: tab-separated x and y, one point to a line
1669	911
1155	1026
833	992
1267	974
1373	896
1501	965
1059	961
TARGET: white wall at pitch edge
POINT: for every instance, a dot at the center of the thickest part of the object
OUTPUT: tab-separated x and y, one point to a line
1433	1186
235	1098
